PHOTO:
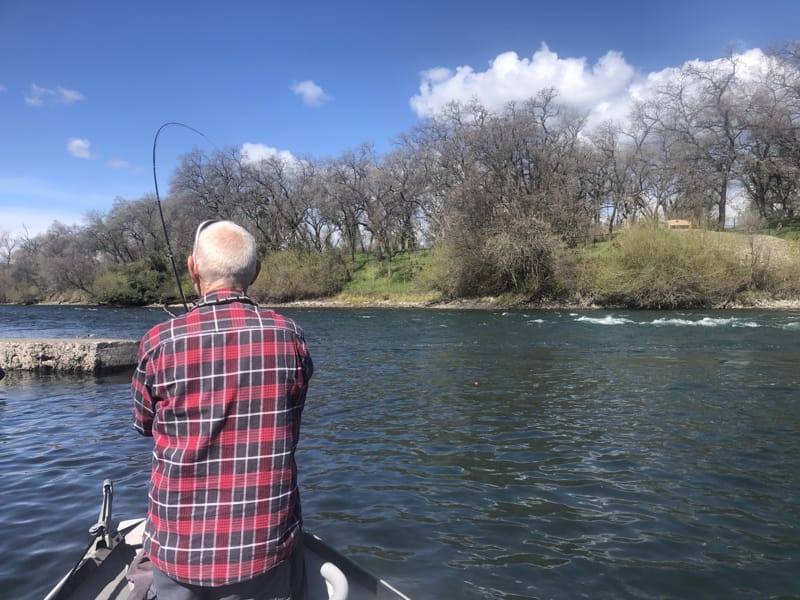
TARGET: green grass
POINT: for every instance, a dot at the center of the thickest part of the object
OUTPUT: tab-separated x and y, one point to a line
639	268
789	230
394	280
786	232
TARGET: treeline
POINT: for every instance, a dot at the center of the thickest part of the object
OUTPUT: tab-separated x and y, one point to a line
498	196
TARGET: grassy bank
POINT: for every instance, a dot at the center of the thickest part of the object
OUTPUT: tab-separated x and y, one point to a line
640	268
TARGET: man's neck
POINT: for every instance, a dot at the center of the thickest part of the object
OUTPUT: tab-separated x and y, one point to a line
208	288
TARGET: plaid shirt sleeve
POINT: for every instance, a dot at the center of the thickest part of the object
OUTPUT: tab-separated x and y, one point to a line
221	390
142	406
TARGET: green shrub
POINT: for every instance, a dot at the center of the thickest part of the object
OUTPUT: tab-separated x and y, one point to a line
573	277
19	292
457	269
298	275
774	265
132	284
519	256
652	267
514	257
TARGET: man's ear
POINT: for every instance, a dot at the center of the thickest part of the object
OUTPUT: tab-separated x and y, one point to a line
258	270
194	274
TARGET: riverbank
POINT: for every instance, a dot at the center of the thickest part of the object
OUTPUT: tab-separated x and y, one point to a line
484	303
498	304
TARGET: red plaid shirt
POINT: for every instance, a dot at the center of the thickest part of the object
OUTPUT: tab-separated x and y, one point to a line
221	390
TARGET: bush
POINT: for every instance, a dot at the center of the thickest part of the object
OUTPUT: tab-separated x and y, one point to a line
651	267
457	269
299	275
519	256
18	292
132	284
774	266
573	278
515	256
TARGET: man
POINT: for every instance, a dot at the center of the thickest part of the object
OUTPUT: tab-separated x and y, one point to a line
221	390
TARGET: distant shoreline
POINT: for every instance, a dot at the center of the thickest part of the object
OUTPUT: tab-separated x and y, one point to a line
460	304
479	304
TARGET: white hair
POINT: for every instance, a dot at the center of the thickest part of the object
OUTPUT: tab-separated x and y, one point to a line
226	252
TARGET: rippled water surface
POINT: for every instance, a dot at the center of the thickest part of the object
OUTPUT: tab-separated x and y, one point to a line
471	454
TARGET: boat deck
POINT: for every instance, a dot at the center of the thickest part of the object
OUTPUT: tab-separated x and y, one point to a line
103	574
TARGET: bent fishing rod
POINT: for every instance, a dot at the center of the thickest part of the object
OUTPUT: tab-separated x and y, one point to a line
170	254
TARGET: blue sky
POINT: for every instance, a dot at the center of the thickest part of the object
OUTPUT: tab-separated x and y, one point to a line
85	85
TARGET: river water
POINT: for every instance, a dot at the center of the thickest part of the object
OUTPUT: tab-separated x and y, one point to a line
471	454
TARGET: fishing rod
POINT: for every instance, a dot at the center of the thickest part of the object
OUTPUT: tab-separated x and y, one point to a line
170	254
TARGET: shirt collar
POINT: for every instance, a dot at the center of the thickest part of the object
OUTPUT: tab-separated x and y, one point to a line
223	296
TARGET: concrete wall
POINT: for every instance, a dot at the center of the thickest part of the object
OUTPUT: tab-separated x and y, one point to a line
67	355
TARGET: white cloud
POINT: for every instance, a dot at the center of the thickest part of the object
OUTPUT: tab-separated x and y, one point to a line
255	153
511	78
68	96
79	148
605	90
310	92
39	95
36	95
119	163
3	89
750	66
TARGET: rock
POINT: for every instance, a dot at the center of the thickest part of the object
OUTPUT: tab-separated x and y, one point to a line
68	355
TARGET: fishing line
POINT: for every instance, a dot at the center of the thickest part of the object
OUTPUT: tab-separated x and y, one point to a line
160	210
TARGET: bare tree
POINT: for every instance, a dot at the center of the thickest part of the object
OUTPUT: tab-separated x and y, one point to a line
315	231
7	245
213	185
770	169
702	121
348	192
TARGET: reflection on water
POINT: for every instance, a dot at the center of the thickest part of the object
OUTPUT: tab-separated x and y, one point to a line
482	455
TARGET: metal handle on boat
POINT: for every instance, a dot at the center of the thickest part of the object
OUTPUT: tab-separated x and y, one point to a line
336	581
103	526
